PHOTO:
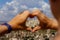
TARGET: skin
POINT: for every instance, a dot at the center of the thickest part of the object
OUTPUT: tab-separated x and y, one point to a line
18	22
45	22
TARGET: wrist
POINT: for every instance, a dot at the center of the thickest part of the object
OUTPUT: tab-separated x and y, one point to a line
13	25
7	27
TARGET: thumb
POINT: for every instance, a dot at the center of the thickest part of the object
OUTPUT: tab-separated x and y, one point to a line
36	28
29	28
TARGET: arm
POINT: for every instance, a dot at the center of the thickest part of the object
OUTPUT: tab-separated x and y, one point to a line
45	22
53	25
50	23
17	23
4	28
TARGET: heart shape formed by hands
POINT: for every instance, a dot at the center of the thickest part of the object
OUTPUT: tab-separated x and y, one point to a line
18	22
43	21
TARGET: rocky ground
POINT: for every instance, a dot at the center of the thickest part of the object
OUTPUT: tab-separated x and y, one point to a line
26	35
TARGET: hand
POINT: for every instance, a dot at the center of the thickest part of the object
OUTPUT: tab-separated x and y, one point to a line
45	22
18	22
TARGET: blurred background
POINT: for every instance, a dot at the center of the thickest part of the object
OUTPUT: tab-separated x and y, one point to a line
10	8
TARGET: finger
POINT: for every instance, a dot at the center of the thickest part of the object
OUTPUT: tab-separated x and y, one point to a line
35	12
31	15
24	28
29	28
20	18
36	28
39	14
26	13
